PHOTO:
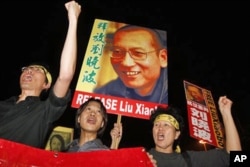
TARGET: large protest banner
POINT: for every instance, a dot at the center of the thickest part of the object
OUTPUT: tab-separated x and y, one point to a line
204	123
97	70
14	154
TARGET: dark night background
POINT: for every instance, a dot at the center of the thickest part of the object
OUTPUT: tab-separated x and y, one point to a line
208	45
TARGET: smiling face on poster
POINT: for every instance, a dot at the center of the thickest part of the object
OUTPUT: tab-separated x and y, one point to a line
125	66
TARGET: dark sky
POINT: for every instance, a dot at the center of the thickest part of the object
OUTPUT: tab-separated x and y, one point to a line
208	45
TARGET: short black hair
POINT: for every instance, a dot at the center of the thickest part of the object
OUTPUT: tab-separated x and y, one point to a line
154	32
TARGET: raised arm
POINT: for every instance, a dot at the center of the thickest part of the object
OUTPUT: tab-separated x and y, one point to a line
69	52
232	136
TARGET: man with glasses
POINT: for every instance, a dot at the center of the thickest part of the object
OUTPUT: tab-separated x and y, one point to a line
27	118
139	57
37	68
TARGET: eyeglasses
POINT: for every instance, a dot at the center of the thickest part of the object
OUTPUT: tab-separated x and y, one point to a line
136	54
39	69
34	68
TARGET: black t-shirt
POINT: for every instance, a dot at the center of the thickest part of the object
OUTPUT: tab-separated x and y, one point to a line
210	158
29	121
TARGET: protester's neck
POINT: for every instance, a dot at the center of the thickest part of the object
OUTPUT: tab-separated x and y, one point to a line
26	93
85	137
164	150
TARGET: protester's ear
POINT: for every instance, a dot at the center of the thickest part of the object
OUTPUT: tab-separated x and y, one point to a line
78	119
47	86
102	124
177	134
163	56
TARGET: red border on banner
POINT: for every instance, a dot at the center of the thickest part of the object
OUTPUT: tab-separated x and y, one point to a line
119	106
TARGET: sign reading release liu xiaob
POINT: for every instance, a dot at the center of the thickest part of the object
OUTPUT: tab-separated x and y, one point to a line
126	67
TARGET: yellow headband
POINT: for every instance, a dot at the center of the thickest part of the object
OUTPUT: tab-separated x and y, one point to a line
47	73
168	118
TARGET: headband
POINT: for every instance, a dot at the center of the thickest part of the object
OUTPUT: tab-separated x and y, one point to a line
47	73
173	121
168	118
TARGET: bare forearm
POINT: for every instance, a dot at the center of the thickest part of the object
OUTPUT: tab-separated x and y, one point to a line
231	132
69	52
232	137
